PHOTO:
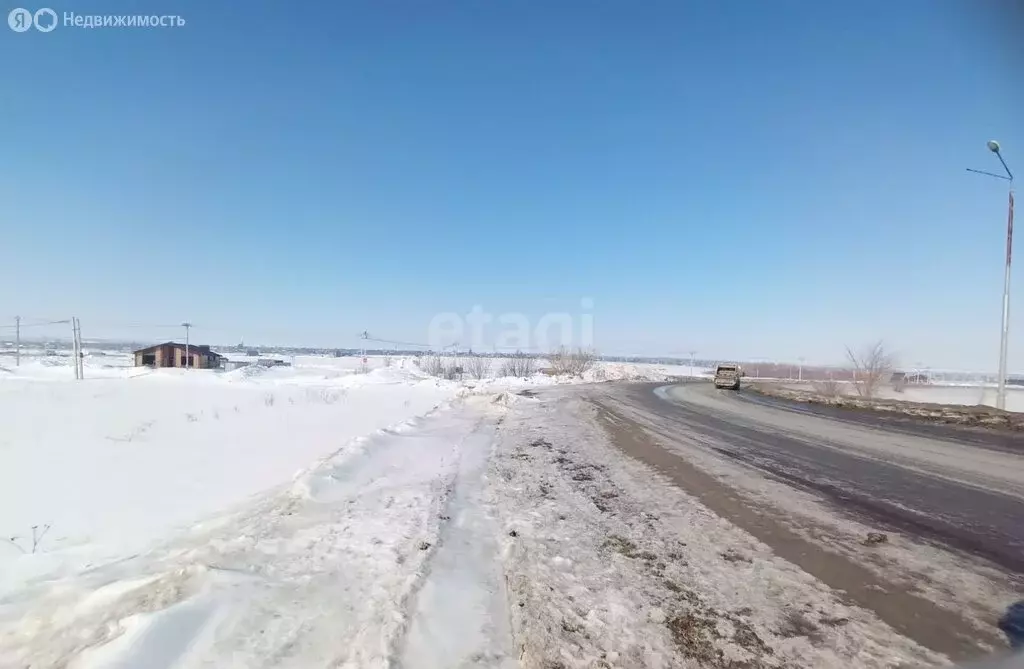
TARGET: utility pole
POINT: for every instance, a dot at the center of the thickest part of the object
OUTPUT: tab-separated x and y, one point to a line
188	358
17	341
692	353
800	373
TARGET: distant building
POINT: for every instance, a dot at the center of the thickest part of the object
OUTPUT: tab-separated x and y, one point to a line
172	354
272	362
231	365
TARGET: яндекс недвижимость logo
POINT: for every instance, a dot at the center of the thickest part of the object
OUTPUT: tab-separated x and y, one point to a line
45	20
20	20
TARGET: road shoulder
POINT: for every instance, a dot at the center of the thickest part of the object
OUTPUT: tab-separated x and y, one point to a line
609	563
834	495
911	615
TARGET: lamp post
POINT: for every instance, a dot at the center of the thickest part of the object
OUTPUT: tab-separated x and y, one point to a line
188	359
993	146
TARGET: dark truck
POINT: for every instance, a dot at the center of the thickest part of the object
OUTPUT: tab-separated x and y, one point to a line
728	376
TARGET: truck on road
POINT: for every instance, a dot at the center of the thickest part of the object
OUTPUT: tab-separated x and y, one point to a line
728	376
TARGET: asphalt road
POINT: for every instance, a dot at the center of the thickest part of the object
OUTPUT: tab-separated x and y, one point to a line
958	488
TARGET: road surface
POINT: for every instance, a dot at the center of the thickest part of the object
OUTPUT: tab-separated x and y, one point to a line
948	487
962	489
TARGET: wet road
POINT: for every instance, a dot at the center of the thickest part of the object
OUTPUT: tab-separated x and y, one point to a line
963	489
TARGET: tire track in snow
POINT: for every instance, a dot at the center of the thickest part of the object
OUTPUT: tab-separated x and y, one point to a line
458	613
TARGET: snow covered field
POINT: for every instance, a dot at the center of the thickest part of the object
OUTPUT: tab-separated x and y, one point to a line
140	506
322	571
315	516
320	516
965	395
117	460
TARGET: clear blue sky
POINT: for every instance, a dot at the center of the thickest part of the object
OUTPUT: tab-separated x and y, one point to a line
746	179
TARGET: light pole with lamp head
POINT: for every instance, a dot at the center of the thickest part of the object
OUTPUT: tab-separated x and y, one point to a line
188	359
993	146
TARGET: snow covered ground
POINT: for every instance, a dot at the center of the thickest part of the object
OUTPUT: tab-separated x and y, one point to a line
128	453
321	514
349	565
965	395
495	529
113	462
170	517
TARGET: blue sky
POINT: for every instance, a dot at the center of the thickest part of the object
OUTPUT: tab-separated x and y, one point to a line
742	179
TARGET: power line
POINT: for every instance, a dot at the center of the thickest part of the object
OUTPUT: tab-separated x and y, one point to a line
365	336
23	324
140	325
43	322
394	342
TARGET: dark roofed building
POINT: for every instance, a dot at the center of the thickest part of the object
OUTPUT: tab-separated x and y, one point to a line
172	354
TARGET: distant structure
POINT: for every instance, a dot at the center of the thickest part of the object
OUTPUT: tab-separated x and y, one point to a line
231	365
172	354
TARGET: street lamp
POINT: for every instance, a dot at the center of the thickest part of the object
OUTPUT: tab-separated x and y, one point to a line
993	146
188	359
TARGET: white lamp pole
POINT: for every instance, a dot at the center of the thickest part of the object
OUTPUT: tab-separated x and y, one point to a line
1004	335
188	358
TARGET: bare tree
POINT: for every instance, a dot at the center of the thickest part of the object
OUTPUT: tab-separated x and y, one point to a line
828	388
872	366
453	368
520	365
444	367
564	360
37	539
430	364
478	367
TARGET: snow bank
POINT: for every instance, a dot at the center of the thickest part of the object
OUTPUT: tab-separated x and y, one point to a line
110	464
353	564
